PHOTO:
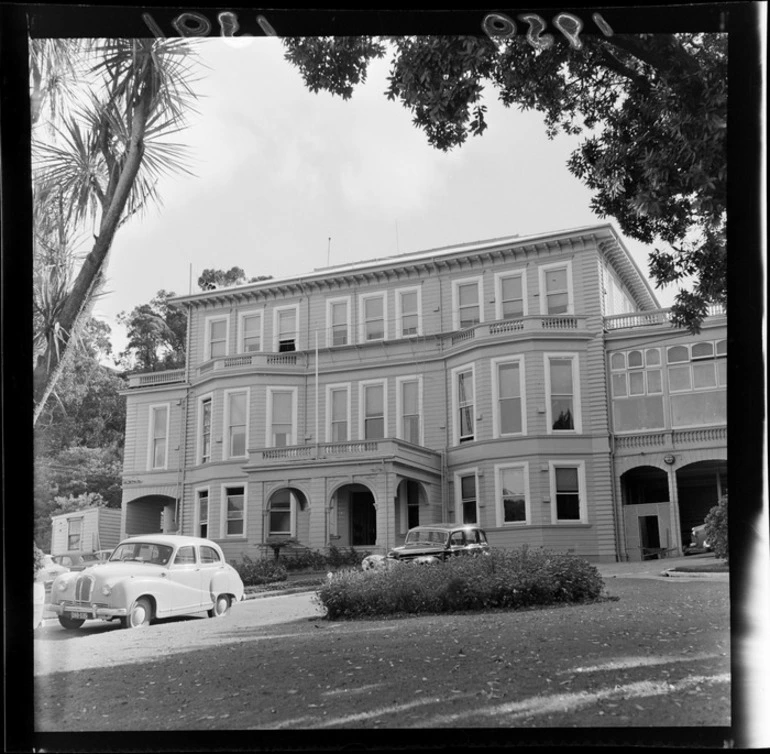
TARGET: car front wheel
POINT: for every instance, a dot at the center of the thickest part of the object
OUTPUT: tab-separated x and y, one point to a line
71	623
139	615
221	607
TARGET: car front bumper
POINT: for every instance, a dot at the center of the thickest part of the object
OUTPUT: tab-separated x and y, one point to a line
92	611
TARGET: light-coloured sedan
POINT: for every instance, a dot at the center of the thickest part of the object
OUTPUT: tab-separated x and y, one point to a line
148	577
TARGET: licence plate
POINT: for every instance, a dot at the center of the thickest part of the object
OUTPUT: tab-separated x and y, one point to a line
79	616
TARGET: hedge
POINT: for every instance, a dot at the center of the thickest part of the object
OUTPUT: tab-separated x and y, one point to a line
503	579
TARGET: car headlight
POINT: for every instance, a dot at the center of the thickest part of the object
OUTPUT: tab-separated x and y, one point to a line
106	590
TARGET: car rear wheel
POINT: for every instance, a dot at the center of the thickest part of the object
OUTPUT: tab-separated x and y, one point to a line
221	607
71	623
139	615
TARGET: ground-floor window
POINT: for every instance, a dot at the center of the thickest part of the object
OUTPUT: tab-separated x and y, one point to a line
235	511
568	492
468	499
282	513
203	513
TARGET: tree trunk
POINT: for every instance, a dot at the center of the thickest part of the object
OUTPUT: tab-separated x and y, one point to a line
77	305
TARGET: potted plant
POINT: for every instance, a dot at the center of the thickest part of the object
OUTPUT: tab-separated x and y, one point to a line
38	588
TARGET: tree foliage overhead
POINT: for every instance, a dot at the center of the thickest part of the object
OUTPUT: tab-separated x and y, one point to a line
98	162
652	110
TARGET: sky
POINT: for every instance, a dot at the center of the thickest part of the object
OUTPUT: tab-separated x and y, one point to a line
287	181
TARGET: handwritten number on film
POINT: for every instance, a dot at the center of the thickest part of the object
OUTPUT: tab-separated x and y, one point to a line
500	26
495	26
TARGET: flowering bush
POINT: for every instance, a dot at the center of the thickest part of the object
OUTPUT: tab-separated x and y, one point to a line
260	571
504	579
716	529
306	559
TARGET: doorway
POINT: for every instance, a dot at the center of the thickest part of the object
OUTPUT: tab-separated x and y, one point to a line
649	536
363	519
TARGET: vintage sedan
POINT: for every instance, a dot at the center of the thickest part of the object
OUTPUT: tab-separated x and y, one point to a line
148	577
434	543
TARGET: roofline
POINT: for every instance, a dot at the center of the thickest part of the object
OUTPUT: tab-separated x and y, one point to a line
598	232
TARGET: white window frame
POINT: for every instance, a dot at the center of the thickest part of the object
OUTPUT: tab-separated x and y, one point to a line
226	425
329	388
362	406
499	277
79	521
458	490
271	391
542	270
197	514
199	431
293	503
330	324
242	332
456	402
150	436
400	292
399	406
576	394
362	299
207	335
478	280
582	492
499	507
276	322
495	363
223	510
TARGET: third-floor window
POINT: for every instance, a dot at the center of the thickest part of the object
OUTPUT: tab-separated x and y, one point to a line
251	332
286	328
556	288
408	312
510	295
216	337
467	303
338	318
373	317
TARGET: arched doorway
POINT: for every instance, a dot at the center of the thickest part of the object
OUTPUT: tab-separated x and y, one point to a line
355	523
150	514
699	487
647	513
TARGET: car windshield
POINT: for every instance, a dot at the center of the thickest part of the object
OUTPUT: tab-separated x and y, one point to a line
89	556
143	552
426	536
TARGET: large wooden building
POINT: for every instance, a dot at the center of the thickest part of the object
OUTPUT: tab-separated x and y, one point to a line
530	384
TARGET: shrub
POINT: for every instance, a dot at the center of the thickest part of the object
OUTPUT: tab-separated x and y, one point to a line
716	529
520	578
304	559
260	571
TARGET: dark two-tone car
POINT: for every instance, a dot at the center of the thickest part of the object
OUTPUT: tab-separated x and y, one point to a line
434	543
